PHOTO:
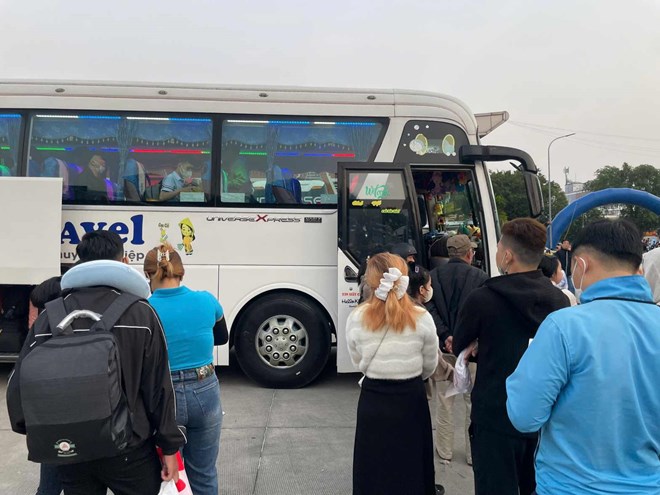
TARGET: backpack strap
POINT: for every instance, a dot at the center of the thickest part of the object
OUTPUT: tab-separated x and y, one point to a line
115	311
56	312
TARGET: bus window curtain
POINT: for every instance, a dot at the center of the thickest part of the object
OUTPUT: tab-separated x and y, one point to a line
125	135
13	135
362	141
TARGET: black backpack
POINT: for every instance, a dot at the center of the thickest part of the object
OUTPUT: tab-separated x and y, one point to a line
71	388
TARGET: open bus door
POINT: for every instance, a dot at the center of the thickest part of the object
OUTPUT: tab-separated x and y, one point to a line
30	251
377	209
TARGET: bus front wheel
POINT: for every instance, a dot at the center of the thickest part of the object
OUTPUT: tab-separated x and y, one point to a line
282	341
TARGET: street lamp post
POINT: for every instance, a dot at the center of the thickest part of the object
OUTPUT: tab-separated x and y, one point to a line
550	184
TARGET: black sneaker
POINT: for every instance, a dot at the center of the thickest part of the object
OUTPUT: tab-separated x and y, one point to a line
439	490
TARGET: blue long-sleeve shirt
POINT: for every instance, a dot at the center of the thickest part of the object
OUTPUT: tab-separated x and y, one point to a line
590	381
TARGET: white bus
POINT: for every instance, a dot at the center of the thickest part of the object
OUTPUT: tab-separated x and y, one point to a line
292	188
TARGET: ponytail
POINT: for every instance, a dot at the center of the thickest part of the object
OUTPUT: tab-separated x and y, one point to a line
163	262
396	310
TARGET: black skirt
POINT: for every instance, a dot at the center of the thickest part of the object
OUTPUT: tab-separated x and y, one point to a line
393	452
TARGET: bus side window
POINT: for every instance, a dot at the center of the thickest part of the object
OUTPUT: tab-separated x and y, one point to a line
285	161
10	137
114	158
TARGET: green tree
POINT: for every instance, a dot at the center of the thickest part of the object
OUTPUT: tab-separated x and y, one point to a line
643	177
511	197
579	222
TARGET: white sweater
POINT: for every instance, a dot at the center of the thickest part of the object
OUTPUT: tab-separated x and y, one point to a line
401	355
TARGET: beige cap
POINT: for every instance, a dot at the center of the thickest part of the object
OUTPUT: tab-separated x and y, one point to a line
459	245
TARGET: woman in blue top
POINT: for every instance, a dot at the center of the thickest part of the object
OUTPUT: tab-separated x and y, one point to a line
193	323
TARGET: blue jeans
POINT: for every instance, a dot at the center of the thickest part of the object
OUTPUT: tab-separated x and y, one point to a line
198	409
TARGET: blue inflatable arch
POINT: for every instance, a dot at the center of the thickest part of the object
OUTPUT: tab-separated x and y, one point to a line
563	219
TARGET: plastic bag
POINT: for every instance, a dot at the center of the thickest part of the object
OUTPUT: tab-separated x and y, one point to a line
181	487
168	488
462	383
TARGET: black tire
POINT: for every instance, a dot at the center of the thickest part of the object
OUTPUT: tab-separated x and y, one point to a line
257	321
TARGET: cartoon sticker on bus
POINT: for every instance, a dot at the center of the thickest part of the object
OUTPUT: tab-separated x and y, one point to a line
187	236
163	232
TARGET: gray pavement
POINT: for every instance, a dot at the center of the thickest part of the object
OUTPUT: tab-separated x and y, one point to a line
293	442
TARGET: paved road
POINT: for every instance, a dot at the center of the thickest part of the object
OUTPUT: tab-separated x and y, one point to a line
293	442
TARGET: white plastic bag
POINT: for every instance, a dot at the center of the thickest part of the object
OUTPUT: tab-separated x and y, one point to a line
168	488
181	487
462	383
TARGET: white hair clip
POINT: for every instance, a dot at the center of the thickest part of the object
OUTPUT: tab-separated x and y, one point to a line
393	279
162	255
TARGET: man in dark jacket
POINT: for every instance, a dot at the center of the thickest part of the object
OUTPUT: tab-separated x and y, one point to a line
452	283
147	387
503	316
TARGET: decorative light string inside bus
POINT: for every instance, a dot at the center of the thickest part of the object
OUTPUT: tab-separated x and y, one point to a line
117	117
191	119
299	122
135	150
287	153
196	152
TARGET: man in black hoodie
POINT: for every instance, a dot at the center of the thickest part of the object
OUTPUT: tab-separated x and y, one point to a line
503	315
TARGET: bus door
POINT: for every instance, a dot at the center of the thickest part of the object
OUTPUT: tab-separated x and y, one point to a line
377	209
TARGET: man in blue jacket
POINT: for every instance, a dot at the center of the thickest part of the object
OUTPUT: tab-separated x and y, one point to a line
589	380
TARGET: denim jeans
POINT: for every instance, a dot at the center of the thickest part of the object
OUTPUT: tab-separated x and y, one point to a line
198	409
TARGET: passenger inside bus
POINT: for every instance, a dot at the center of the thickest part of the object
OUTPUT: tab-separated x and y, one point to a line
179	182
235	178
449	208
90	185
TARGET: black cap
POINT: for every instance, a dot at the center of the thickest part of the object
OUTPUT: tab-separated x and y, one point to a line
404	250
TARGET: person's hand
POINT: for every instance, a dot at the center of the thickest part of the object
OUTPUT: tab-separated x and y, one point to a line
187	189
449	344
170	469
472	349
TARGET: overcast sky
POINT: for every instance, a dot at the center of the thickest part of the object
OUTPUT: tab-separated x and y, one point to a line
587	66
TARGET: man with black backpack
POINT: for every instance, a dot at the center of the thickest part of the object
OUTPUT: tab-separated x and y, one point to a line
92	388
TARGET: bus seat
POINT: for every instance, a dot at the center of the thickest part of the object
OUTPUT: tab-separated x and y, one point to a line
54	167
135	180
284	192
130	191
282	188
34	168
224	181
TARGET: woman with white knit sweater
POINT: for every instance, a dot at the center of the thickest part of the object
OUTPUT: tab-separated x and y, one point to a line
394	343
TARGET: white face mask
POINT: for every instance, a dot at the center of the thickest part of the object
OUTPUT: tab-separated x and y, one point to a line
429	295
186	174
578	290
503	270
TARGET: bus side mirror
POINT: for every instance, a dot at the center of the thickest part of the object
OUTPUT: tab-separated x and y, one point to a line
470	153
534	195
